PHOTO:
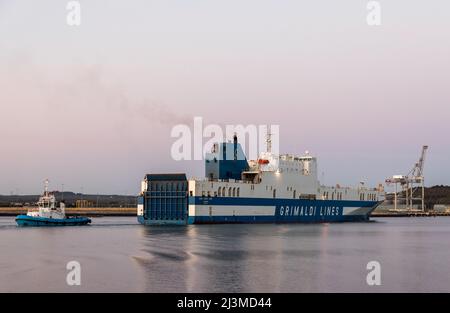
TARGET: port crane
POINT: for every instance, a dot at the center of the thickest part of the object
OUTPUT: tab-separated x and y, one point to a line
410	185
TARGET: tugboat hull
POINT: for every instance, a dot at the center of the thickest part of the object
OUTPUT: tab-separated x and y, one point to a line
25	220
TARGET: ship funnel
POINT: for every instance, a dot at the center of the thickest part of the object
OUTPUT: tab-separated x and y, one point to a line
235	148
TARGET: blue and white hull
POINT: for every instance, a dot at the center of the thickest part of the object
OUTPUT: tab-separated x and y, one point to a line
279	211
26	220
251	211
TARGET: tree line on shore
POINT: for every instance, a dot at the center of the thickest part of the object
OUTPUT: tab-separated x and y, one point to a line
72	200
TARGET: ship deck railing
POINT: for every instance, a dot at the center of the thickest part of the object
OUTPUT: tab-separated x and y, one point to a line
208	180
349	188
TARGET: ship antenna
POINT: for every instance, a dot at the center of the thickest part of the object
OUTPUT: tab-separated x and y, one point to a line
46	187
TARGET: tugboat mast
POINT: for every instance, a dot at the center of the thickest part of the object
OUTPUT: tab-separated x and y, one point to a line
46	187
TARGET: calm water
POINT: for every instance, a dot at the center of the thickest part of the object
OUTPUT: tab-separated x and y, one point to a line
116	254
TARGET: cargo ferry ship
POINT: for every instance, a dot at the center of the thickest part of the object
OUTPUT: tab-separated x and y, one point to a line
272	189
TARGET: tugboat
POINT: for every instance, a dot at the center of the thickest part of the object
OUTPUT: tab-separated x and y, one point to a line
48	214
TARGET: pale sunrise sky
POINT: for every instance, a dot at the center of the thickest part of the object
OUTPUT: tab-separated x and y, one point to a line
93	106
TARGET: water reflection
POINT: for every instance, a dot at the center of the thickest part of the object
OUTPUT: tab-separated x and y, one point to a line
120	255
230	258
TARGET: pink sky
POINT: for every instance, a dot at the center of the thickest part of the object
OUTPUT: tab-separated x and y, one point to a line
93	106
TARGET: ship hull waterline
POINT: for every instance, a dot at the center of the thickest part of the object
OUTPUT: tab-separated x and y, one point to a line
304	212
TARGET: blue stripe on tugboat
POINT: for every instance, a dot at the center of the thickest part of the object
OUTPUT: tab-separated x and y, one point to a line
25	220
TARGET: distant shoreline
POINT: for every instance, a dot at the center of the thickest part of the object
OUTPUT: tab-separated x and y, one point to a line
409	214
94	212
98	212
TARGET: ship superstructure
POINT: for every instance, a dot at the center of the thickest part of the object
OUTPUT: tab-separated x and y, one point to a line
272	189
